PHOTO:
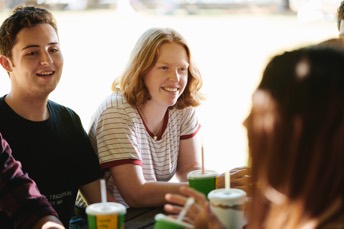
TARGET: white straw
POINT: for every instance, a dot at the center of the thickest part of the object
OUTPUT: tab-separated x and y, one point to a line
103	190
227	180
187	205
202	159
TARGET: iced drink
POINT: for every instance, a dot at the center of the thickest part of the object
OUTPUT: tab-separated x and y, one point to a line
228	206
202	182
105	215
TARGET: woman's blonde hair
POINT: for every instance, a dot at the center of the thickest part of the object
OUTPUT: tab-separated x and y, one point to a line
142	59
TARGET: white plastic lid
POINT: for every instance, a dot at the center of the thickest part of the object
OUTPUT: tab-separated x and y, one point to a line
105	208
198	174
224	194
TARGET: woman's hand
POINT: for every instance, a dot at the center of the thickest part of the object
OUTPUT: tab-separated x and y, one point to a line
199	214
240	178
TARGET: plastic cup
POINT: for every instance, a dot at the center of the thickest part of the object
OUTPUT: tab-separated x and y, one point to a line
204	183
228	206
167	222
107	215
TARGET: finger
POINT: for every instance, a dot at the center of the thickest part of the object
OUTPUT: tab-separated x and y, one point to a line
193	211
239	168
176	199
172	209
240	173
199	197
242	181
191	214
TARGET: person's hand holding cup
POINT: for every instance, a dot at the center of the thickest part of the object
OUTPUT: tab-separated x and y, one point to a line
240	178
199	213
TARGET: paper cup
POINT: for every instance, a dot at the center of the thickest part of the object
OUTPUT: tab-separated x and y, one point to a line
166	222
228	206
105	215
202	182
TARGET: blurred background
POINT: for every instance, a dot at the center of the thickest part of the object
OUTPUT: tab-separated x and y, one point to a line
325	7
173	6
230	40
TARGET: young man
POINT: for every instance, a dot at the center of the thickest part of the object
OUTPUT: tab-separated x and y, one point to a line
47	138
20	197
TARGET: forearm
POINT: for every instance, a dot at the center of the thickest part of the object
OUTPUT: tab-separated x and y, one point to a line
182	175
152	194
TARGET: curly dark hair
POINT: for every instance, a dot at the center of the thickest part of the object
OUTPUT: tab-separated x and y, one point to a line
22	17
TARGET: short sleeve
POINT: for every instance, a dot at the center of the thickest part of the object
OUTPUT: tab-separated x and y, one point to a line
190	124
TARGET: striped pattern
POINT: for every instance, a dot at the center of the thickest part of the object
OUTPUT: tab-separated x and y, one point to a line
118	135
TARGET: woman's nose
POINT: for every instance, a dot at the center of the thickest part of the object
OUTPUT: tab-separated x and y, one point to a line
175	76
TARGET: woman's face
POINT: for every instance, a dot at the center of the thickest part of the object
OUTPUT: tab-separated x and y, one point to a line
168	77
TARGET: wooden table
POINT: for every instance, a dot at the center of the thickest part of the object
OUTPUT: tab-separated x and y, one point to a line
139	218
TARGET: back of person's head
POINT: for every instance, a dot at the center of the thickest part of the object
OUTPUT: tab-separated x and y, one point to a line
22	17
144	56
336	42
340	18
296	137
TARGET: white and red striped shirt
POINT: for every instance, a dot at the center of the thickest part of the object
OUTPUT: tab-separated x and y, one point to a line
119	136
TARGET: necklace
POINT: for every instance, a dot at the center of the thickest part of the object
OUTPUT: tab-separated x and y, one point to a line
155	134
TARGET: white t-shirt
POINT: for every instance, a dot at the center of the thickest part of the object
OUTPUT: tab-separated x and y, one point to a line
119	136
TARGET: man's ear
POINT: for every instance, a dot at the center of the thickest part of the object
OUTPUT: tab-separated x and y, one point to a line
6	63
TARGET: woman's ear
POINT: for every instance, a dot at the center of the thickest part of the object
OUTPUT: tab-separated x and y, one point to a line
6	63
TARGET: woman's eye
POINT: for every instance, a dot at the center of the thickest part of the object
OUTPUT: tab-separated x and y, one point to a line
164	68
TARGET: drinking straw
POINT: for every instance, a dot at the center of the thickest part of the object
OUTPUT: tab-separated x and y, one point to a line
202	159
186	207
103	190
227	180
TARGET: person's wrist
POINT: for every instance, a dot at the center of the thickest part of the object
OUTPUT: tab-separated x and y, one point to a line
48	222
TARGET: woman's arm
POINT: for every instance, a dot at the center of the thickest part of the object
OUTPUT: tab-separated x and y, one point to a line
189	157
92	194
138	192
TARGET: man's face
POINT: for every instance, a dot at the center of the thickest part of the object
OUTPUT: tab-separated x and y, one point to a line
37	61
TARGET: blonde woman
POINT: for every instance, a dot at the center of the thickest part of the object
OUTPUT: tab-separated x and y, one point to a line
147	130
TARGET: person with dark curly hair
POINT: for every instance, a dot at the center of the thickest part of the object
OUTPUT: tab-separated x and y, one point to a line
46	137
